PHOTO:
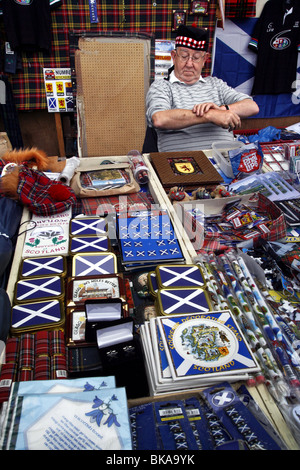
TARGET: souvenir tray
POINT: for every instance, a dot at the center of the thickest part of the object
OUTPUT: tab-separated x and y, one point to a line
185	169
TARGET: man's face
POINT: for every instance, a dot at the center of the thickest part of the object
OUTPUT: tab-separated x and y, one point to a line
188	64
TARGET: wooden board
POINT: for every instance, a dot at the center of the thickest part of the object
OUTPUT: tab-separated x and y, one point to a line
112	81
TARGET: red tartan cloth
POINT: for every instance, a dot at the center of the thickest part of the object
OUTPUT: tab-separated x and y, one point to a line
34	192
7	376
240	8
26	353
33	356
42	368
11	350
41	343
114	204
57	343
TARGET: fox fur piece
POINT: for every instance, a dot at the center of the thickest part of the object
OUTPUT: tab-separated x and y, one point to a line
33	158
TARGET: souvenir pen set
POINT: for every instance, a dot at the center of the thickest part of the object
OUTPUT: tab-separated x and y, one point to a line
215	419
268	332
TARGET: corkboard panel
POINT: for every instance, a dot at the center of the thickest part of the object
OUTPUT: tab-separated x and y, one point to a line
164	165
112	83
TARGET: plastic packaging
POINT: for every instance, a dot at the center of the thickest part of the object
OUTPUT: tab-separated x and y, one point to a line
139	169
221	156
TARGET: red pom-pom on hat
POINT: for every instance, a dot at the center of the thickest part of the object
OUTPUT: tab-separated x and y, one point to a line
59	192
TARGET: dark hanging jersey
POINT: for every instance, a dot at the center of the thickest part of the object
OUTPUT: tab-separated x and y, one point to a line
276	39
27	24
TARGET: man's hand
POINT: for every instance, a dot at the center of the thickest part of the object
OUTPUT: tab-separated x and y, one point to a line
227	119
202	108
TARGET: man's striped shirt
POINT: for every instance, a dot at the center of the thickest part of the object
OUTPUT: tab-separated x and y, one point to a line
173	94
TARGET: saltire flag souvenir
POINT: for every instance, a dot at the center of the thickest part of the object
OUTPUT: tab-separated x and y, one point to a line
147	237
36	314
178	301
87	226
92	264
179	276
88	244
43	266
38	288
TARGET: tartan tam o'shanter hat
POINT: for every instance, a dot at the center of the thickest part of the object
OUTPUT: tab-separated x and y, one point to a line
191	37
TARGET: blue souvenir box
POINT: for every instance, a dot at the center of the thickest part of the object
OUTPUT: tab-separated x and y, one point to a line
89	244
94	264
32	316
175	301
88	226
187	275
43	266
40	288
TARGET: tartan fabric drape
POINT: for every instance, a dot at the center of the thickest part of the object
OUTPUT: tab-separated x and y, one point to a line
140	16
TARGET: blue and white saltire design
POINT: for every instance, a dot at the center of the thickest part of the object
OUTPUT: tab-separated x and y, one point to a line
36	314
40	288
88	244
43	266
185	364
94	265
87	226
179	276
235	63
183	301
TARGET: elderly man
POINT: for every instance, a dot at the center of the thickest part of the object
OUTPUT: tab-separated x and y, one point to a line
190	112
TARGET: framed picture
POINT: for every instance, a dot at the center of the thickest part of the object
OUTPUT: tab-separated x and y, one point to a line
199	7
179	18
